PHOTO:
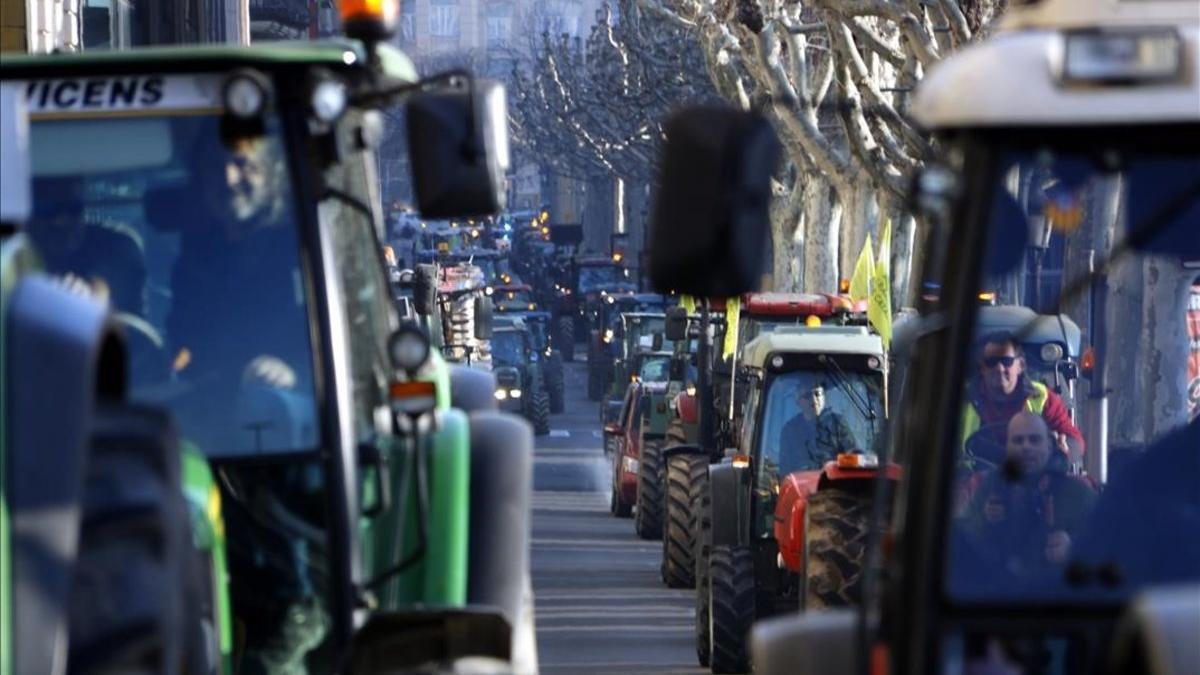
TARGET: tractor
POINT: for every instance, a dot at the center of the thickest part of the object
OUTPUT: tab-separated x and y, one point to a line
520	380
223	198
788	508
127	571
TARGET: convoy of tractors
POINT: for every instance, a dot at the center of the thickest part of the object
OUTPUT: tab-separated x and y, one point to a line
252	425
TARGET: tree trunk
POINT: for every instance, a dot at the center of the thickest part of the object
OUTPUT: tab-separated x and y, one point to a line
823	216
1165	345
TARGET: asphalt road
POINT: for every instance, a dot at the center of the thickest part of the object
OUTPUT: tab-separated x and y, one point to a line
600	604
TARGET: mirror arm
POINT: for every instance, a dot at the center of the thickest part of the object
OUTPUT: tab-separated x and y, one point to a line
392	94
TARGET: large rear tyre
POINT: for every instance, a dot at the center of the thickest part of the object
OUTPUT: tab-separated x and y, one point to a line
687	476
566	338
650	502
130	589
555	385
702	517
539	412
595	381
731	607
835	544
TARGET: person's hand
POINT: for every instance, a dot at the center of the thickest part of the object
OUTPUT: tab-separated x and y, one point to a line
95	289
1058	547
1060	442
271	371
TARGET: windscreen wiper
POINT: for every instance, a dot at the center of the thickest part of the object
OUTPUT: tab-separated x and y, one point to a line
861	403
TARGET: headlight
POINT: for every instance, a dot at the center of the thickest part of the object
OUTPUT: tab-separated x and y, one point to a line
328	100
408	347
629	464
501	394
1051	352
246	94
608	335
609	299
514	393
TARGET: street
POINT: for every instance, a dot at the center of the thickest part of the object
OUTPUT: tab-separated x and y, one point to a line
601	607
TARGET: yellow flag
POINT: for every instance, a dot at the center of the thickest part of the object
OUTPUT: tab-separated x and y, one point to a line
879	308
733	310
860	283
688	302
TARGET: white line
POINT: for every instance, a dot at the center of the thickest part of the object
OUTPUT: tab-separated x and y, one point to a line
596	434
559	433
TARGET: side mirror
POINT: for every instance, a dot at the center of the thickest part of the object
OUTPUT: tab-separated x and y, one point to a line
458	145
823	643
425	289
676	324
484	312
711	211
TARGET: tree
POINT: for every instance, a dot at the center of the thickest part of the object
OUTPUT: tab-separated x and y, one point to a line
834	77
593	109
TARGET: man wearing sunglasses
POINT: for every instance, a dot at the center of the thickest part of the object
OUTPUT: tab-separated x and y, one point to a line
1001	390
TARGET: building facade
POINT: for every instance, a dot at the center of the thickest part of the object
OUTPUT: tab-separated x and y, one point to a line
76	25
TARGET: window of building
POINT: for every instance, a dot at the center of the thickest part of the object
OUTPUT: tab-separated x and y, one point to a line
443	18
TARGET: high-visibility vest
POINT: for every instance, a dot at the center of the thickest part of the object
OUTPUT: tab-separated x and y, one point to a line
971	422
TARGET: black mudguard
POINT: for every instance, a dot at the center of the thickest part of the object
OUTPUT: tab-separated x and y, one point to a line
730	489
501	488
472	389
63	352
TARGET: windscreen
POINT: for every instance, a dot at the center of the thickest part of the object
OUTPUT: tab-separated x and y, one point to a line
192	240
508	348
1074	480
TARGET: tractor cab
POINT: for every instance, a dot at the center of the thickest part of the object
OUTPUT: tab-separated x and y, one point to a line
519	371
513	298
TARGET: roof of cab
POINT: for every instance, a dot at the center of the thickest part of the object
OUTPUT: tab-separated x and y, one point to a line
335	53
1012	78
805	340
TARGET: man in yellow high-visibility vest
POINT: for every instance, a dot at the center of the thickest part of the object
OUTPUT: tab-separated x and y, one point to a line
1003	389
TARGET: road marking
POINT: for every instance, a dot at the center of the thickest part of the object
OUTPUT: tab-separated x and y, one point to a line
559	433
596	434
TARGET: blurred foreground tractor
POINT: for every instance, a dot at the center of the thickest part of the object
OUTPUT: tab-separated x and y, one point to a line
373	525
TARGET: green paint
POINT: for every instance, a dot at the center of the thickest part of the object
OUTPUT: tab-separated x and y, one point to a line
16	260
449	527
329	53
208	537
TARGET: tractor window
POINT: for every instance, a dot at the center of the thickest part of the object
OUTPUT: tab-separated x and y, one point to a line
655	369
508	348
1029	522
193	241
809	417
364	292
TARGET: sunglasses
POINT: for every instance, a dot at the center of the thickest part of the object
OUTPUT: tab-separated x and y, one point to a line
1027	439
1007	361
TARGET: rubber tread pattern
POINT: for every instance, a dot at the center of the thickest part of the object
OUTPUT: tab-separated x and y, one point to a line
650	501
731	573
687	475
835	546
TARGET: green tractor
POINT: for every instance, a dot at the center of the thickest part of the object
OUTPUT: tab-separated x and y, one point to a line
223	199
520	379
111	537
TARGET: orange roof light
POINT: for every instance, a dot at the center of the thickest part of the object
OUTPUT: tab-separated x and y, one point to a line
812	321
618	257
1088	362
844	286
370	19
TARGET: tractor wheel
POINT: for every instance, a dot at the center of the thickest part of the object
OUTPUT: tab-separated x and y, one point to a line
615	506
676	434
539	412
130	589
835	543
649	520
702	519
687	476
731	607
595	381
566	338
555	385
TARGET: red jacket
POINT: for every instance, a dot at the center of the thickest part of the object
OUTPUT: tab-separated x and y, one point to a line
994	416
